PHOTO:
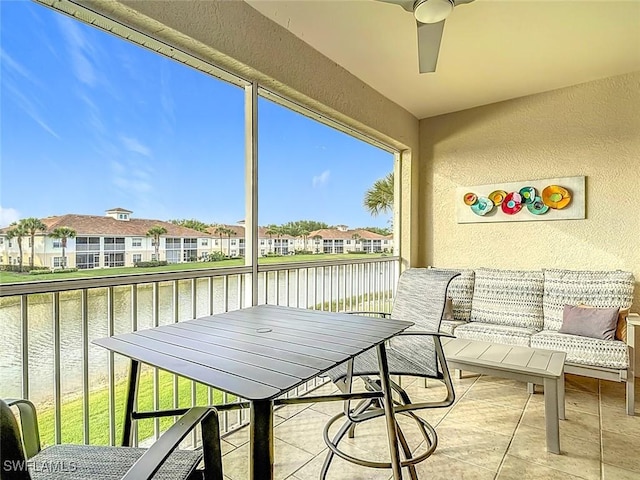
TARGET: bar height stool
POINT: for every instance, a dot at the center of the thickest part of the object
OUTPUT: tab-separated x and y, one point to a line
416	352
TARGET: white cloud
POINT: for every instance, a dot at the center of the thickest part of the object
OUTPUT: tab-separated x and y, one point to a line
134	145
78	49
29	108
8	216
322	179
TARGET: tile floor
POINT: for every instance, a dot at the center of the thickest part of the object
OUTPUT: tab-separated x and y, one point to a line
495	430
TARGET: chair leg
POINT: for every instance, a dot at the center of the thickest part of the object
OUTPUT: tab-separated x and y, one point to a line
327	460
407	452
211	447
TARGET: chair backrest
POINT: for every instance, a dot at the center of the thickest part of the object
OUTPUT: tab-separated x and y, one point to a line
14	465
420	298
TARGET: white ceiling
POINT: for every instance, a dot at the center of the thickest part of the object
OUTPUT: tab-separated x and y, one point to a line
492	50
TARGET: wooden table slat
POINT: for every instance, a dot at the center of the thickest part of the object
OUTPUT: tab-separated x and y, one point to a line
269	362
214	340
359	324
268	377
224	335
306	327
243	387
540	360
327	342
519	356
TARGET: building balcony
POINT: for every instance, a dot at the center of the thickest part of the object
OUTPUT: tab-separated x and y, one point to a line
495	429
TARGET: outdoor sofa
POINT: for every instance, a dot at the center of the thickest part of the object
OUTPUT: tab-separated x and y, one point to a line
527	307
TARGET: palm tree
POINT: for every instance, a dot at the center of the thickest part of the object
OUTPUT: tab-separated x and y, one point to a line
356	237
156	231
304	234
18	232
271	231
220	231
63	233
379	198
229	233
32	226
317	239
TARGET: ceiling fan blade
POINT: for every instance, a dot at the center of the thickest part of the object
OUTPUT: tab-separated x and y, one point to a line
429	37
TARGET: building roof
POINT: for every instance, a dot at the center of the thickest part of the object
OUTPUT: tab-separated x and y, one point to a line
103	225
335	234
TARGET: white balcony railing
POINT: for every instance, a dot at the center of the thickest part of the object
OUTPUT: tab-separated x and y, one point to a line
46	352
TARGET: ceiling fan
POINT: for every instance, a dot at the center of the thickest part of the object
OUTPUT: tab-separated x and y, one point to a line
430	16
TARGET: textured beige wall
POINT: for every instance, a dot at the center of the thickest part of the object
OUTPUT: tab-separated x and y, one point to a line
591	129
234	36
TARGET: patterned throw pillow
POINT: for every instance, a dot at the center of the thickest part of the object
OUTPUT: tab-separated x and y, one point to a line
461	292
508	297
600	289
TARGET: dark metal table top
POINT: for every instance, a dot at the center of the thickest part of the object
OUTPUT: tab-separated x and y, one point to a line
256	353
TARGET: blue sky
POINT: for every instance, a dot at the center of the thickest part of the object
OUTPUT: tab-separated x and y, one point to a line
91	122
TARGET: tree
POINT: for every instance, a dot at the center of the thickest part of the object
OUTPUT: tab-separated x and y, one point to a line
32	226
220	231
156	231
304	234
192	224
271	231
229	233
18	232
317	239
356	237
62	234
379	198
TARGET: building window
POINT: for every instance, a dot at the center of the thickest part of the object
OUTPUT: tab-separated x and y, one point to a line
87	260
57	243
136	257
114	243
136	242
1	241
153	257
190	249
87	244
262	242
57	262
114	260
204	242
234	242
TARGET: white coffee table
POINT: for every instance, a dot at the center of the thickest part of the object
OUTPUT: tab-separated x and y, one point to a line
531	365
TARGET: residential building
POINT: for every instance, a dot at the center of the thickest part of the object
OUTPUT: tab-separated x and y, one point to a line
120	240
114	240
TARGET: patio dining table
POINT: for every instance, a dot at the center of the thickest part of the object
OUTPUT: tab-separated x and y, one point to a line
258	354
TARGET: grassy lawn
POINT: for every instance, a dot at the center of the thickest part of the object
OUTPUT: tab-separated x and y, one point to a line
71	411
11	277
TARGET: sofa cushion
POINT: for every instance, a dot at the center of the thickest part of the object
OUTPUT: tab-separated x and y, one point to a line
488	332
601	289
508	297
584	350
461	292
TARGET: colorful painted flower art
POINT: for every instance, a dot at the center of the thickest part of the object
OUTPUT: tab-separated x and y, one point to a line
511	203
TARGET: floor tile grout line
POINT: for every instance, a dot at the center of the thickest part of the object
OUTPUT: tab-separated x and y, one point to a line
600	429
513	436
